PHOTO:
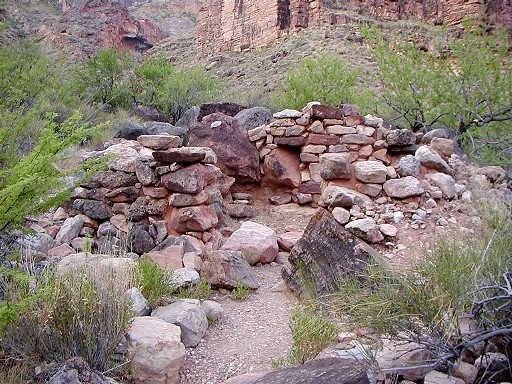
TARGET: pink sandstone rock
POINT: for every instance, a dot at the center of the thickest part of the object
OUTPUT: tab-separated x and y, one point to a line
257	242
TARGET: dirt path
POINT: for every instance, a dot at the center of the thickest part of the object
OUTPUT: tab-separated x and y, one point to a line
251	334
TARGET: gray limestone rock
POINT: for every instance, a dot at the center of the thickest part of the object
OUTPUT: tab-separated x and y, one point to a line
189	315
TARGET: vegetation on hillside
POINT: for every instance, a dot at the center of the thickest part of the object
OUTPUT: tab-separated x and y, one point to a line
464	84
326	79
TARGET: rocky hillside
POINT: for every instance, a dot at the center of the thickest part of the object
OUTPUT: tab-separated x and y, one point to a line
82	28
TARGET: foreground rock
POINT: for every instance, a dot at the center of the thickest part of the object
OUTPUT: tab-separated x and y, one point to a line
257	242
320	371
226	269
75	371
325	253
236	155
189	315
156	351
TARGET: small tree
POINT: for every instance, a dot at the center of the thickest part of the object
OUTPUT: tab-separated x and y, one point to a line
103	79
158	84
34	183
464	84
326	79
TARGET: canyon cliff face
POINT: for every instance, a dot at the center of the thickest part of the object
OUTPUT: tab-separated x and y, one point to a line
243	24
91	25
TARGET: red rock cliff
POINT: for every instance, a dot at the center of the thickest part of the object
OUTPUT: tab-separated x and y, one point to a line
241	24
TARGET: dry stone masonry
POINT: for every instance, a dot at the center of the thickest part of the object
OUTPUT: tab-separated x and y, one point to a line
354	166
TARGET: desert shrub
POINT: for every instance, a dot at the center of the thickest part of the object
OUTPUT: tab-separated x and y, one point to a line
312	331
200	291
462	277
34	183
159	84
104	79
81	313
326	79
464	84
241	291
155	283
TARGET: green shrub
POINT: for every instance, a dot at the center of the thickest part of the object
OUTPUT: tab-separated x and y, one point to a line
326	79
155	283
464	84
241	291
81	313
201	291
34	183
158	84
311	331
462	277
104	80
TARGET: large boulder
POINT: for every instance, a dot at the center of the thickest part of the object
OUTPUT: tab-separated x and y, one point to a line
257	242
254	117
196	219
226	269
319	371
96	210
229	140
226	108
132	131
139	239
335	166
70	229
156	351
189	118
189	315
122	157
429	158
112	179
334	196
281	167
370	172
325	253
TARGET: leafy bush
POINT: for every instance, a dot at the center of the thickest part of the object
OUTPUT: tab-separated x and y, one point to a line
464	84
311	331
103	79
155	283
81	313
34	183
200	291
158	84
326	79
241	291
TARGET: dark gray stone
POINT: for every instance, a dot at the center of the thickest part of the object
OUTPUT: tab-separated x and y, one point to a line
226	269
254	117
325	253
73	371
319	371
139	239
189	118
96	210
230	109
131	130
